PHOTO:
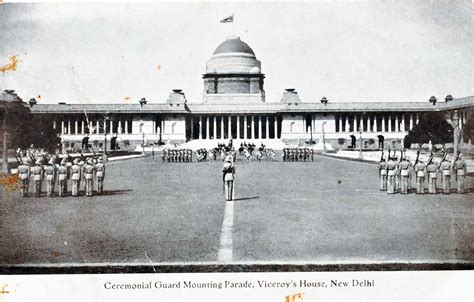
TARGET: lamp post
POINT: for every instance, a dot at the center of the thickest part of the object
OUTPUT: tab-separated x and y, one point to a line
5	167
360	143
324	138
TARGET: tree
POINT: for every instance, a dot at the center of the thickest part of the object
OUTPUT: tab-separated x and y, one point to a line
431	127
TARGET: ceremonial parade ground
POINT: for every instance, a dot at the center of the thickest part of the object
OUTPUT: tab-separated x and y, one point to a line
326	211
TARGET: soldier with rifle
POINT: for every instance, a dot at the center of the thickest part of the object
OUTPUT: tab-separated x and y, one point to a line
50	174
100	175
37	175
24	172
445	169
432	170
420	170
391	171
63	172
460	170
404	168
383	172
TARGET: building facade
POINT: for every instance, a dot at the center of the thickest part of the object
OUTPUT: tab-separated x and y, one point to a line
234	106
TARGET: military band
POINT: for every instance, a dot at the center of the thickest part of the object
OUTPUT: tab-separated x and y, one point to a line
298	154
177	156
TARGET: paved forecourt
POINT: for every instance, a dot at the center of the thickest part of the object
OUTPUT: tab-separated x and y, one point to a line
326	210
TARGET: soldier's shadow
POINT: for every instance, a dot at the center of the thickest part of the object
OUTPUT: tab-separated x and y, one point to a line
246	198
114	192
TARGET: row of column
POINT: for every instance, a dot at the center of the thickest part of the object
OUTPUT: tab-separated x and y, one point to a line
248	121
66	126
371	123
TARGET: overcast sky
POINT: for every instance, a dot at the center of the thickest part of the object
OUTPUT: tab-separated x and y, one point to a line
346	51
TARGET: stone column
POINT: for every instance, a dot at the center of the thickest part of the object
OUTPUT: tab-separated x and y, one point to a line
214	123
82	126
245	127
411	121
76	123
54	124
62	126
267	129
207	127
200	127
354	123
275	126
346	123
69	127
192	127
397	126
238	127
389	123
252	123
417	119
402	124
375	123
383	123
229	129
259	127
340	123
222	127
126	126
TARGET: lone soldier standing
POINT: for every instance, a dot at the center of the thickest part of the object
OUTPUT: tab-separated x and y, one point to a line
37	173
50	179
62	178
75	177
420	169
432	169
24	174
89	176
445	168
383	174
228	177
391	171
460	170
404	167
100	174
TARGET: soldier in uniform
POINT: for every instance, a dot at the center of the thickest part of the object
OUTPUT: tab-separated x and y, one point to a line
75	177
460	170
100	175
81	164
432	170
89	170
420	170
445	168
49	172
391	171
37	174
404	168
383	174
62	178
228	178
24	171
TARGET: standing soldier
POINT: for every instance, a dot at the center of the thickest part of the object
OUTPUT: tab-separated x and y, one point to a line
50	179
420	170
228	178
37	174
89	176
62	178
24	171
75	177
391	171
460	170
100	174
383	173
81	164
445	168
432	170
404	168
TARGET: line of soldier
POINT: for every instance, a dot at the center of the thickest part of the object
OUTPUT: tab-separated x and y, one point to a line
298	154
177	155
58	172
397	175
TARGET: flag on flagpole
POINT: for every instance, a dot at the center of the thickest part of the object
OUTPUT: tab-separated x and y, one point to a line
229	19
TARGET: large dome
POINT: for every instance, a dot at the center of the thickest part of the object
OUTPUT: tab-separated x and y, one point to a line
233	56
233	45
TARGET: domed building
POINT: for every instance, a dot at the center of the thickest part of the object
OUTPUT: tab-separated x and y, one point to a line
233	106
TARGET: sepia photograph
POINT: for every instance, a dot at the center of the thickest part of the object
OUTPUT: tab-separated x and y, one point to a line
207	137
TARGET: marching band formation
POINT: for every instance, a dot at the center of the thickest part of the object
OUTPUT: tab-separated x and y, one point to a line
298	154
37	166
396	174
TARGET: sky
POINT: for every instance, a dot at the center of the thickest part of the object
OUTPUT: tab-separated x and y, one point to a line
345	50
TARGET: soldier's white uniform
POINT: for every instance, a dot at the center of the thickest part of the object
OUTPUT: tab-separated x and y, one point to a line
50	179
460	170
24	171
75	177
37	176
445	168
420	170
404	168
62	178
89	176
228	175
100	175
432	170
383	175
391	171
